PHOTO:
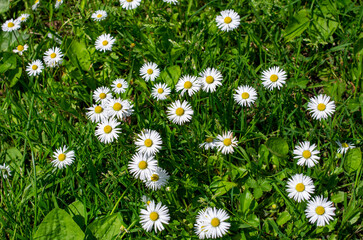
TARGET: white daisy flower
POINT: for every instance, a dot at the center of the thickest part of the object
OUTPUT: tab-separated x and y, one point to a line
188	84
20	49
23	17
53	57
245	95
104	42
209	143
214	221
180	113
226	142
99	15
130	4
145	199
200	225
154	217
97	113
58	3
149	71
102	94
118	108
35	5
142	165
274	77
306	154
34	68
107	131
320	210
63	157
300	187
210	79
160	91
148	142
10	25
119	85
344	147
157	179
171	1
5	171
321	107
228	20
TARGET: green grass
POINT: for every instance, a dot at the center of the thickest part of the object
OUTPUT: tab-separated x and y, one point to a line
318	43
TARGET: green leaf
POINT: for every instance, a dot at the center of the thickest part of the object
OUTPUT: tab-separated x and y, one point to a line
8	62
277	146
353	160
171	75
77	212
301	83
14	157
106	227
14	76
297	25
283	218
246	200
4	5
338	197
221	187
58	224
79	55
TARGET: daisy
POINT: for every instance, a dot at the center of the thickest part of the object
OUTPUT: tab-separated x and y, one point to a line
209	143
160	91
107	131
188	84
34	68
320	107
228	20
171	1
130	4
97	113
10	25
321	210
119	85
63	157
274	77
148	142
300	187
99	15
210	79
102	94
118	108
104	42
214	221
156	179
149	71
306	154
55	38
20	49
58	3
145	199
245	95
154	217
344	147
200	225
180	113
226	142
142	165
23	17
53	57
35	5
5	171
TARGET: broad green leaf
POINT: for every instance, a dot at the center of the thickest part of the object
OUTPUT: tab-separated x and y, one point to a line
171	75
58	224
79	55
77	212
8	62
4	5
277	146
283	218
221	187
301	83
14	76
297	25
14	157
246	200
338	197
353	160
106	227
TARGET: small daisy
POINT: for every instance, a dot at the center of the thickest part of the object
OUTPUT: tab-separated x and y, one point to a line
154	217
306	154
300	187
107	131
34	68
35	5
214	221
180	113
130	4
10	25
102	94
160	91
20	49
63	157
119	85
226	142
209	143
23	17
321	107
142	165
55	38
58	3
148	142
5	171
118	108
228	20
245	95
99	15
149	71
97	113
344	147
188	84
53	57
156	179
321	210
210	79
200	225
274	77
104	42
145	199
171	1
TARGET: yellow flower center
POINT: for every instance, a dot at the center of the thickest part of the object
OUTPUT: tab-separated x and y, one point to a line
103	95
320	210
321	106
160	90
209	79
209	139
119	85
148	202
10	24
245	95
53	55
227	20
23	18
61	157
179	111
59	0
187	85
98	109
154	177
105	42
117	106
132	45
215	222
345	145
99	15
150	71
20	48
142	164
148	142
274	78
107	129
154	215
306	154
34	67
300	187
36	1
274	206
227	142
